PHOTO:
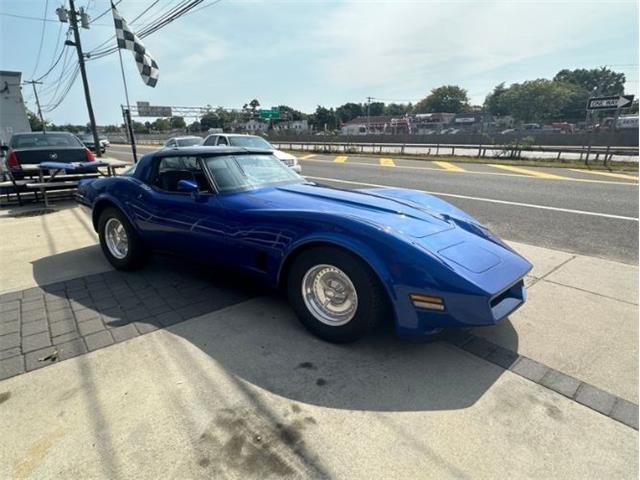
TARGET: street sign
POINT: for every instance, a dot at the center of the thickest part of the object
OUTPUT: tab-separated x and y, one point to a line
273	114
610	103
147	110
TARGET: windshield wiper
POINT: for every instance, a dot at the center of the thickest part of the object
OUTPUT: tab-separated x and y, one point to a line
240	168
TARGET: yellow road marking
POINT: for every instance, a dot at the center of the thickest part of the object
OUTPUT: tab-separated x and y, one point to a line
450	166
499	174
340	159
306	157
526	171
387	162
605	174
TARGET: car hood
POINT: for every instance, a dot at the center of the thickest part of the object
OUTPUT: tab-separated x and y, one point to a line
373	207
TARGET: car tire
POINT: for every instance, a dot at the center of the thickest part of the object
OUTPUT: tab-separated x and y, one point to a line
313	268
111	226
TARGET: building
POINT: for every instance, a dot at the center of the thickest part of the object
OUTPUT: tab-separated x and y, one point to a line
377	125
292	126
426	123
254	126
13	113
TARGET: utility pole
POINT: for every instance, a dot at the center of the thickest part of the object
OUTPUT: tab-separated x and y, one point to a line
35	92
368	112
73	17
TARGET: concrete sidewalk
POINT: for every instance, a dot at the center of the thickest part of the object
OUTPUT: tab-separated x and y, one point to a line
244	392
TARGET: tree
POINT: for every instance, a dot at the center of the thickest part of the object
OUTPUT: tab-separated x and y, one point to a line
543	100
178	123
210	120
448	98
325	119
34	121
494	103
375	109
397	109
139	127
161	124
288	113
349	111
194	127
254	104
601	81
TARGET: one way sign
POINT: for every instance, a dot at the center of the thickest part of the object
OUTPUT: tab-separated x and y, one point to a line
610	103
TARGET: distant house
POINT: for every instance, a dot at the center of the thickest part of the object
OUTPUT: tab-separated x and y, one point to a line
254	126
295	126
376	125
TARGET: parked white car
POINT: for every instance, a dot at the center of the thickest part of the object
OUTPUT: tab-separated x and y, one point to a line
252	141
179	142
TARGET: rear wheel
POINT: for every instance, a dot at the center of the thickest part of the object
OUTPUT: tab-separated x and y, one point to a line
119	241
335	294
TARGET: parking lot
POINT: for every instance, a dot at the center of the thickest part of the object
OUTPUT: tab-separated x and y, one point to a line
186	371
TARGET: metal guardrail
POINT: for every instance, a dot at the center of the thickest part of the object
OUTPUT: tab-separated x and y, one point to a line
512	151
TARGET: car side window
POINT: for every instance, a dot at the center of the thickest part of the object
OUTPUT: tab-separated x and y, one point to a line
211	140
222	141
170	170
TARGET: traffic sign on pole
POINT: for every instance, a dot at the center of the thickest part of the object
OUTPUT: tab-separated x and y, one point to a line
610	103
273	114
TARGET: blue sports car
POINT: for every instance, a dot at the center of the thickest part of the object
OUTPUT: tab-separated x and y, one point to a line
346	258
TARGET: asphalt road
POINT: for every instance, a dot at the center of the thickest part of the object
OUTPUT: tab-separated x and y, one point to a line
591	213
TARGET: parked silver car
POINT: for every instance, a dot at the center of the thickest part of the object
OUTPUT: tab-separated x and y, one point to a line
252	141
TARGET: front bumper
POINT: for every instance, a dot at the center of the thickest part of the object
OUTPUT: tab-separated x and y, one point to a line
461	310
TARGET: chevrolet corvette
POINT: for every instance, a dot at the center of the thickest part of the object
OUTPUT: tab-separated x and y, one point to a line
347	259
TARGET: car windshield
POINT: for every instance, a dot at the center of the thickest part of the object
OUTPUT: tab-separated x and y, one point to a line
188	142
249	141
241	172
39	140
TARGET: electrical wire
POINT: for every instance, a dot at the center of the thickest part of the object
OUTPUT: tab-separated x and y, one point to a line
105	12
51	107
56	61
112	37
44	27
175	13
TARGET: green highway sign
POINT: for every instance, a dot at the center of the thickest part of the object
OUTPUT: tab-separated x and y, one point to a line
273	114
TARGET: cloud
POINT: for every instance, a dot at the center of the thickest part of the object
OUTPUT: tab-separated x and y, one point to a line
403	45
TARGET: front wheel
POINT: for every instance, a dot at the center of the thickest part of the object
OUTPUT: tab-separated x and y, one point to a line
119	241
335	294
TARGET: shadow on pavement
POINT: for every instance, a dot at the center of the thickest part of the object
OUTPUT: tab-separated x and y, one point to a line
260	341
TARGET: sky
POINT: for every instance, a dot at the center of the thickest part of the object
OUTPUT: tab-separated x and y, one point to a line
307	53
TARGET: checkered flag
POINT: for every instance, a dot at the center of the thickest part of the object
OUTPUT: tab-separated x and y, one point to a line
129	41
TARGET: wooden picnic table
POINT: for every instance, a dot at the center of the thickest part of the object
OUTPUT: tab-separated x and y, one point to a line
73	172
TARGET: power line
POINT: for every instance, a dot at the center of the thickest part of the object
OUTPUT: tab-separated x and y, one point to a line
175	13
63	95
104	13
112	37
26	17
55	52
44	27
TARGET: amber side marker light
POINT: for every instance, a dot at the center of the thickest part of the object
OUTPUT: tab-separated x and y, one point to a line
427	302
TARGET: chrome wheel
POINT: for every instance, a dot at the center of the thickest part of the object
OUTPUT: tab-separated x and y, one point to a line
116	238
329	295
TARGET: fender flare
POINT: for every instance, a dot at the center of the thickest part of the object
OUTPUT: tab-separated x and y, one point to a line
105	200
353	246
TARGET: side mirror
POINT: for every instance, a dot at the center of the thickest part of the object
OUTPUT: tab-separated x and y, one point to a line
4	147
187	186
